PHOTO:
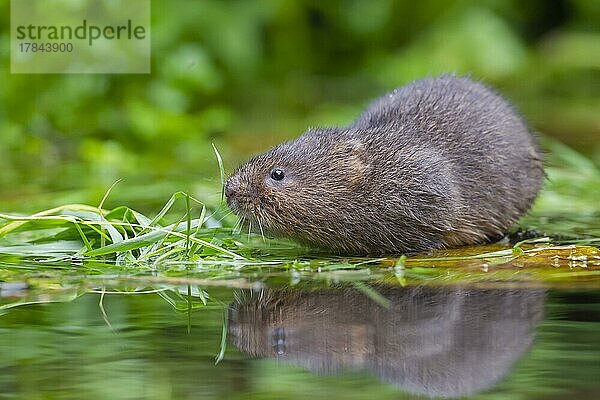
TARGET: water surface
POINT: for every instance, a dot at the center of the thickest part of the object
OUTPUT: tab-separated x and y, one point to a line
279	341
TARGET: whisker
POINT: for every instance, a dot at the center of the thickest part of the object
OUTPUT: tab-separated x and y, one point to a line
221	206
225	216
262	233
237	228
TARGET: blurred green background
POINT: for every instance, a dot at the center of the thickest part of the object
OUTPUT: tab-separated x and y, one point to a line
248	74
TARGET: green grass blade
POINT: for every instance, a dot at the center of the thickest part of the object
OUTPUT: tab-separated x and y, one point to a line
221	171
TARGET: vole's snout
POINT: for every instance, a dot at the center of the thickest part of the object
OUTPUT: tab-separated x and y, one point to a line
241	198
231	187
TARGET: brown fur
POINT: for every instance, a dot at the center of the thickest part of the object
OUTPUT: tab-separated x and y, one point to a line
441	162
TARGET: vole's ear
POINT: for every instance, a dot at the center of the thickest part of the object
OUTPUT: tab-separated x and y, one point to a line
351	154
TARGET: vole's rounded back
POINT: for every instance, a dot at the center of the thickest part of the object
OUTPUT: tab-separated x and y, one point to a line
438	163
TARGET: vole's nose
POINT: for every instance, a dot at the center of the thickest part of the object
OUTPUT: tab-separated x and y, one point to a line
231	187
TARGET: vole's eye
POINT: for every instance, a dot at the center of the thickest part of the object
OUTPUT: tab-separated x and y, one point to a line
277	174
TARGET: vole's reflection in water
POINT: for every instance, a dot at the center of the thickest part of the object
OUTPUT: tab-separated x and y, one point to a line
446	342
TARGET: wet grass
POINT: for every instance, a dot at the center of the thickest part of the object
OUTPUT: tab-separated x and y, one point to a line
185	242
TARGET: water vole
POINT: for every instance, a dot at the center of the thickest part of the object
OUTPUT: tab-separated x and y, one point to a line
441	162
